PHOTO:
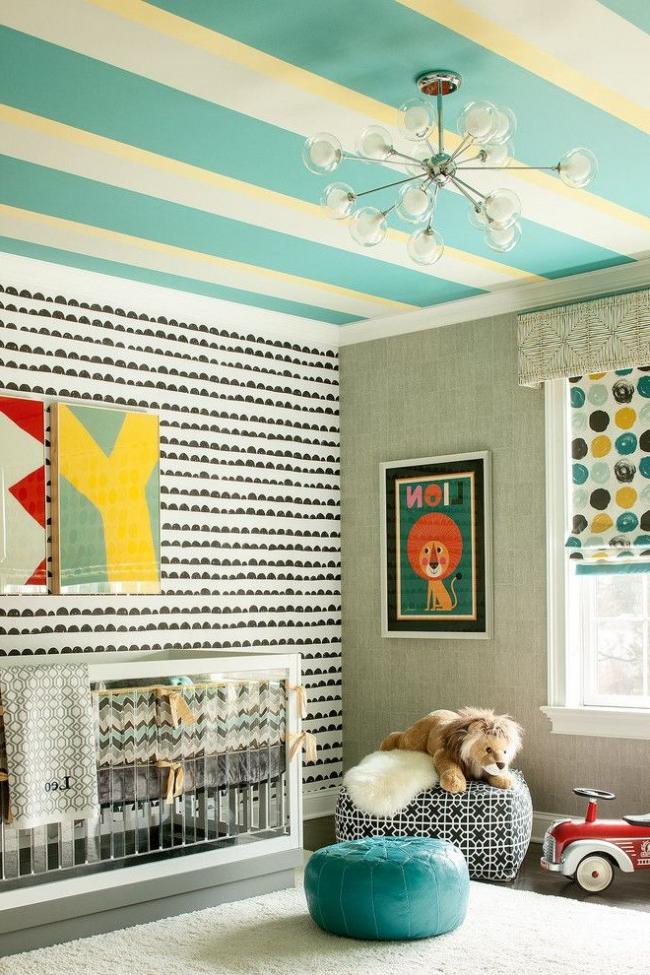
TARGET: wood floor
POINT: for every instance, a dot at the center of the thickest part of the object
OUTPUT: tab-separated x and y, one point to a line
630	890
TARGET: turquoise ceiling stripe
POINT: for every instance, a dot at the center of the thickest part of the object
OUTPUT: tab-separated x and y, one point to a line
378	46
59	194
91	95
636	11
176	282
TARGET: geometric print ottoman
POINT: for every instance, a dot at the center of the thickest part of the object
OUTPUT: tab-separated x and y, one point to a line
491	827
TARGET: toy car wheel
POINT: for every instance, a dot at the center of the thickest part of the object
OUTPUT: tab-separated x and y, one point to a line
594	874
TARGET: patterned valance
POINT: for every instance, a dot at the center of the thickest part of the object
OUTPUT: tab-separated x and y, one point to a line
592	336
610	466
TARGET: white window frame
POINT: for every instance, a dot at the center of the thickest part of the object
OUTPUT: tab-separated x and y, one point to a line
565	708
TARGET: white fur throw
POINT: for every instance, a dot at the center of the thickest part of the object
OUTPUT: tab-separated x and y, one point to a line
385	782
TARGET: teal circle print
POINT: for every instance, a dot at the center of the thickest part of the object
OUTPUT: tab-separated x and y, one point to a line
578	422
580	498
627	522
573	542
644	467
600	472
643	386
580	473
626	443
642	540
577	397
598	394
623	372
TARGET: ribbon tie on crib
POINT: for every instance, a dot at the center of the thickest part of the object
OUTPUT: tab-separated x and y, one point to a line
303	739
175	779
301	698
178	706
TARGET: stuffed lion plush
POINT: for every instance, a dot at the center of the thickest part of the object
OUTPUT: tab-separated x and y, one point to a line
472	743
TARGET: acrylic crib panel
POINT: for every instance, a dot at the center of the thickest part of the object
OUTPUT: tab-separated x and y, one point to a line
241	799
23	537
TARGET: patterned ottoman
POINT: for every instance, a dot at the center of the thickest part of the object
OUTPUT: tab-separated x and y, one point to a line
491	827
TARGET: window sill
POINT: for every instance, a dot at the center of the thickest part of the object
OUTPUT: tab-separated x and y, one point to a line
600	722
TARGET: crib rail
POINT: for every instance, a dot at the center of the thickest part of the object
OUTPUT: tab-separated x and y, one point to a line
167	788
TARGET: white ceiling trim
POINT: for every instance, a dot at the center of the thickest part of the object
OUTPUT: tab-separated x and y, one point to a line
524	297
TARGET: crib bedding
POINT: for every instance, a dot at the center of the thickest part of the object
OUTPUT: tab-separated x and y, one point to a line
146	724
134	783
162	738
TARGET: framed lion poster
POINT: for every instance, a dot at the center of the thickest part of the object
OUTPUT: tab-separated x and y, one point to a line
436	547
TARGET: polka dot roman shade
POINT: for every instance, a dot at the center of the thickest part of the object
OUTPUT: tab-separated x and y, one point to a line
610	465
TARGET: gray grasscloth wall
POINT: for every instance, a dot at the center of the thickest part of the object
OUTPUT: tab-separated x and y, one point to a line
446	391
249	477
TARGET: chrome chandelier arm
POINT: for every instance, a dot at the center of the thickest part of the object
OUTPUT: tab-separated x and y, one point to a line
441	143
464	144
398	182
472	189
503	169
460	187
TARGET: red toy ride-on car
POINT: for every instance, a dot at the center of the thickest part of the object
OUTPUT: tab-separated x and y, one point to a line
587	850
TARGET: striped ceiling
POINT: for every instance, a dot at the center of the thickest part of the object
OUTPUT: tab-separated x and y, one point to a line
161	141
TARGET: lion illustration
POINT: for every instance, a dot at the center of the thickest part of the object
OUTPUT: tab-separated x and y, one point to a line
472	743
434	547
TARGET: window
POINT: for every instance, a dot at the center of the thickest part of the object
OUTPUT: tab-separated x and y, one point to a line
598	597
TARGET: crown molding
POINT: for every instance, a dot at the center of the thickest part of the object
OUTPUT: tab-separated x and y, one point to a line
522	297
92	286
30	273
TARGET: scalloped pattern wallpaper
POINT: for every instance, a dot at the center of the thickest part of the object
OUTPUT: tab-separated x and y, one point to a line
250	521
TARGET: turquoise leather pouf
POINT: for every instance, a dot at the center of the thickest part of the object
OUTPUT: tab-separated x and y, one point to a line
386	889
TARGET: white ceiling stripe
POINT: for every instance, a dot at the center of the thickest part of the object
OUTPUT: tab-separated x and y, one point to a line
612	51
48	143
111	246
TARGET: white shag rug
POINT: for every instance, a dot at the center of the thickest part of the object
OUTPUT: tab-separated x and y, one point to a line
506	932
385	782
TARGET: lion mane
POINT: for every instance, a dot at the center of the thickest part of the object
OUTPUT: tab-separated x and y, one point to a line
439	528
459	737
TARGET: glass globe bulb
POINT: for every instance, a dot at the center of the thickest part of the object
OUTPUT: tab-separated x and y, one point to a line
502	209
322	153
375	142
476	216
500	154
368	227
338	200
421	152
503	239
578	168
425	246
414	203
417	119
505	125
478	119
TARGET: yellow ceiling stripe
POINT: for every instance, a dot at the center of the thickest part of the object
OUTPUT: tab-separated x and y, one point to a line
225	47
210	259
479	29
231	50
188	171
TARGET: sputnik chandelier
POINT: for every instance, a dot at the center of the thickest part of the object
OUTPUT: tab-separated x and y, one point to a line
486	132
